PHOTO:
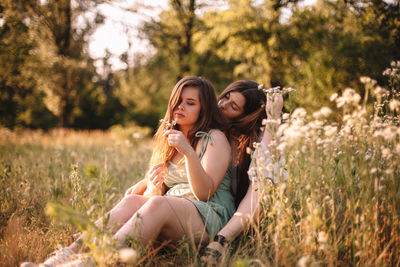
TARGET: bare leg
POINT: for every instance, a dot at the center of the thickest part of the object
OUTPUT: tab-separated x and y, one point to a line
118	215
168	217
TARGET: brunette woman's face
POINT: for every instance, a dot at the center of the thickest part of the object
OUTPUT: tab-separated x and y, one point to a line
188	109
232	105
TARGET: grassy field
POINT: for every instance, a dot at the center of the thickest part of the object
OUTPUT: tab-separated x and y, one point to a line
339	206
87	171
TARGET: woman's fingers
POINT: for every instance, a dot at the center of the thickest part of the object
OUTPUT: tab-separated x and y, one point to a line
157	177
168	132
154	168
129	191
157	173
274	106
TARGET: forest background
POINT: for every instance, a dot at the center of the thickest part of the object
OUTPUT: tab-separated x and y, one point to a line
48	79
340	203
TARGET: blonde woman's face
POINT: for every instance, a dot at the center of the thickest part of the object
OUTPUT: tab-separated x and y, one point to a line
232	105
188	109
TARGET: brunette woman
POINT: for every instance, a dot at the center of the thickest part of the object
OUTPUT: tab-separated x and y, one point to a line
245	105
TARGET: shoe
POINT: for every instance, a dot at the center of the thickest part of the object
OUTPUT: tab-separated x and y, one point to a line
79	260
60	256
210	256
28	264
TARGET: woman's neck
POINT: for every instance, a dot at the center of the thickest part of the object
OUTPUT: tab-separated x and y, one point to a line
184	130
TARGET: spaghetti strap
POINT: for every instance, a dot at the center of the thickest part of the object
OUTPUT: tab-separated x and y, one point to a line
205	139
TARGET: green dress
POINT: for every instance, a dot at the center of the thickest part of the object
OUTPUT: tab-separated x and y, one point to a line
215	212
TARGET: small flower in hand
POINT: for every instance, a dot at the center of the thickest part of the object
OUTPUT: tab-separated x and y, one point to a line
168	125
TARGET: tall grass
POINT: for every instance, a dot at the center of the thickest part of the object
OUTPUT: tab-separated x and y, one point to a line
338	206
86	171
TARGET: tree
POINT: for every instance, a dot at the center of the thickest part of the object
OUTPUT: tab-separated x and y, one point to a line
47	59
67	41
330	45
20	99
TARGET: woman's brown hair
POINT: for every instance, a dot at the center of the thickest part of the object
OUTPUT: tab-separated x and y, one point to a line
246	129
210	116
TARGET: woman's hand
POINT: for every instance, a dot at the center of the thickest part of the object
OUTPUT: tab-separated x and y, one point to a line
273	108
138	188
179	141
156	175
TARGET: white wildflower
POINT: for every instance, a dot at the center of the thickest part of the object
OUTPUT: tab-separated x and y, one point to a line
394	105
325	111
349	97
288	90
299	113
285	116
252	172
380	91
330	130
398	149
333	97
386	152
137	135
270	167
389	133
248	150
281	129
365	79
387	72
282	147
322	237
128	255
292	134
303	261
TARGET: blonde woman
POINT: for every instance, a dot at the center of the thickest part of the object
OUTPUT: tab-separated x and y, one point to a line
192	160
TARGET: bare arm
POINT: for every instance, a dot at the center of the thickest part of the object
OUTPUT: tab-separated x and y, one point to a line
247	211
205	175
274	111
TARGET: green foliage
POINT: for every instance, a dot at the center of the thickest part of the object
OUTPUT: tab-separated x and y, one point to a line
47	78
46	74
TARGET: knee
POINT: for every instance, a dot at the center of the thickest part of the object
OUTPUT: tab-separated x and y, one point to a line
129	201
129	198
156	203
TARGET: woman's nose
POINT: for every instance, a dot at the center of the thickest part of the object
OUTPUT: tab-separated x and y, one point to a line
222	104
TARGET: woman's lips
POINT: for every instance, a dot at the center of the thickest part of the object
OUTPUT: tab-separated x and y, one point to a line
179	115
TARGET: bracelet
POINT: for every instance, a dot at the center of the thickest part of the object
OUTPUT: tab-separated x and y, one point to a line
220	239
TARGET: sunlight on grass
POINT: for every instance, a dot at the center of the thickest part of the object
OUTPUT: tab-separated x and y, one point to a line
338	206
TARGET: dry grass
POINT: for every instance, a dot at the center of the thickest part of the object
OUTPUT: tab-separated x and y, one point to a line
339	206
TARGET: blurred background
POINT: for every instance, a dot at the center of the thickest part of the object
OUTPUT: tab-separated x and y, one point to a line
93	64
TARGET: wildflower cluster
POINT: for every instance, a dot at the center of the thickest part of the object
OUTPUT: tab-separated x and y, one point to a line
339	203
275	90
168	125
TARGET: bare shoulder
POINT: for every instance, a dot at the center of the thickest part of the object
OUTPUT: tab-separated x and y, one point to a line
219	138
